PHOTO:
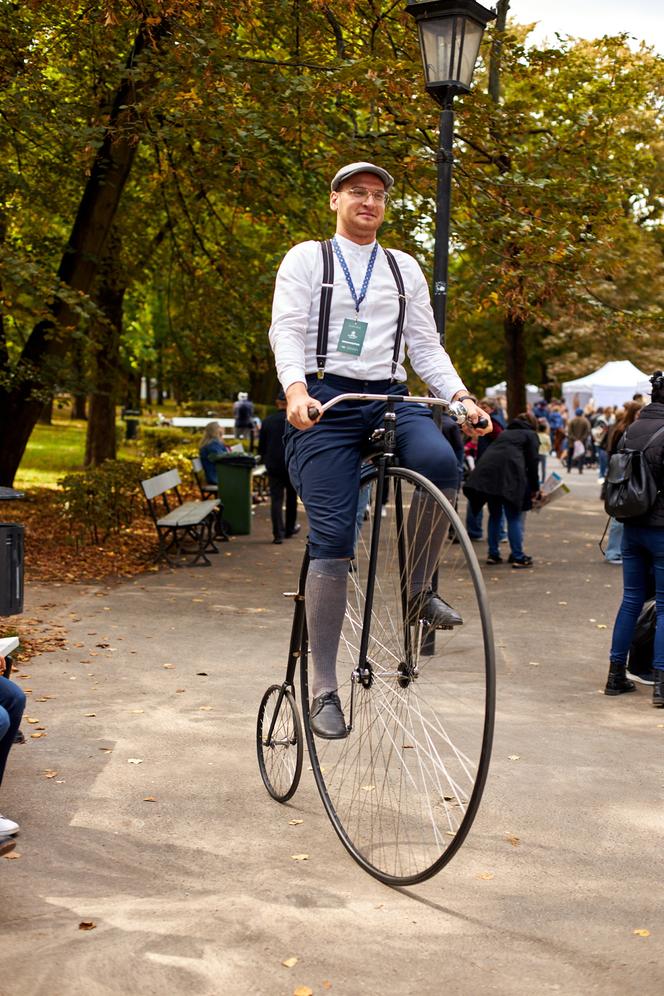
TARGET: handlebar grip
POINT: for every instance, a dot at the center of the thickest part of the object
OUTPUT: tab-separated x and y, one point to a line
313	413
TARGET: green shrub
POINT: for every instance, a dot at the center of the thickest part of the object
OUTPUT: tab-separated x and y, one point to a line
101	500
158	439
179	460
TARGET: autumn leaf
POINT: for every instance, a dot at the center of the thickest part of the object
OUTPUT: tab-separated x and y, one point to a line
36	736
29	719
149	798
303	991
86	925
486	876
514	841
290	962
134	760
168	667
641	932
49	773
514	757
295	823
12	856
300	857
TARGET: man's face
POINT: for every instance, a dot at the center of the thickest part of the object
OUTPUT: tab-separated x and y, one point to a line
359	217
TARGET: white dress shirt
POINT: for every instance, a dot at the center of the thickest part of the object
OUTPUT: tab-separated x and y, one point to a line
294	329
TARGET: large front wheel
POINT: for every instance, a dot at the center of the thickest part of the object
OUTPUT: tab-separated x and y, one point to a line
404	787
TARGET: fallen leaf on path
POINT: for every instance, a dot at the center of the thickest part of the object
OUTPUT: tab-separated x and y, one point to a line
641	933
136	711
49	773
90	715
514	841
290	962
295	823
514	757
486	876
134	760
36	736
201	674
168	666
29	719
106	750
205	708
534	663
303	991
562	603
12	856
86	925
149	798
601	626
300	857
327	984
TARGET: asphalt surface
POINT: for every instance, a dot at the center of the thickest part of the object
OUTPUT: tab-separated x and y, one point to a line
142	811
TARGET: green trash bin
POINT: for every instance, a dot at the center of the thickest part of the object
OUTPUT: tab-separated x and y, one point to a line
234	483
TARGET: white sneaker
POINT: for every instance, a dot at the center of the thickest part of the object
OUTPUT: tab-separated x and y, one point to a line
8	826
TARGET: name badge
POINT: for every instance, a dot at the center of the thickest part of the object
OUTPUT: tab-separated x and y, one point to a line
352	336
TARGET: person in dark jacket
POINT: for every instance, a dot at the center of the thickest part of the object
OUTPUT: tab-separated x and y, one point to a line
578	431
507	479
212	444
642	553
272	454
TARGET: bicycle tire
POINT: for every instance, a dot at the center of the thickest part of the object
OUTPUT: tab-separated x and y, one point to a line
280	761
402	816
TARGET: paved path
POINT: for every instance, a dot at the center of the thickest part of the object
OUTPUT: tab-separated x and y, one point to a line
196	892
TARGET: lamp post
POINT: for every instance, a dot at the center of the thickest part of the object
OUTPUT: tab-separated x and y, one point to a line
450	33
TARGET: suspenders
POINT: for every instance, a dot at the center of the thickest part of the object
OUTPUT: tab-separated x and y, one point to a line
326	303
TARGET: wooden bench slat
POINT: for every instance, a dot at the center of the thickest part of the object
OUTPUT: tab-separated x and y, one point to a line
190	513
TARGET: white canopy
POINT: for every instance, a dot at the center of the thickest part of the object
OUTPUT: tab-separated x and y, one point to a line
533	392
612	384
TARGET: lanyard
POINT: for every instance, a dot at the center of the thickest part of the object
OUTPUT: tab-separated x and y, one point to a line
349	280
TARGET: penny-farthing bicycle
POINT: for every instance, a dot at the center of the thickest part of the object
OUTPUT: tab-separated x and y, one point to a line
403	788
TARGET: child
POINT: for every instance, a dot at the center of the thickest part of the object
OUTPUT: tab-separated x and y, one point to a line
544	437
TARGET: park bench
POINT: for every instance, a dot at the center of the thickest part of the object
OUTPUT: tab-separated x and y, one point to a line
185	528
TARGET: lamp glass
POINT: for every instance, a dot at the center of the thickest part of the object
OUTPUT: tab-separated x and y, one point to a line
450	46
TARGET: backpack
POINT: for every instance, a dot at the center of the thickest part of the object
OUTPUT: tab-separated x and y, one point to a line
631	488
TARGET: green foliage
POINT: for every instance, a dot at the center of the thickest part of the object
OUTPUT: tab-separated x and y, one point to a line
179	460
101	501
157	439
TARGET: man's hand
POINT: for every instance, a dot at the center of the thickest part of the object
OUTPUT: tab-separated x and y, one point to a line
298	404
475	413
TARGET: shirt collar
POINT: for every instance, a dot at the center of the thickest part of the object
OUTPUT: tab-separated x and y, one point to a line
348	247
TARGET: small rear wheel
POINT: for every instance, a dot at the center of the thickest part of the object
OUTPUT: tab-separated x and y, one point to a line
279	742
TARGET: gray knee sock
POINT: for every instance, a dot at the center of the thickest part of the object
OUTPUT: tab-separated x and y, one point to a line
325	600
427	528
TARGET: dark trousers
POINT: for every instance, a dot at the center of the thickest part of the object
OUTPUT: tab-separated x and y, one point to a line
280	486
12	704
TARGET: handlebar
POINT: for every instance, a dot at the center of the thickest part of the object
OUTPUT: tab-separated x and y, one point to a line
455	409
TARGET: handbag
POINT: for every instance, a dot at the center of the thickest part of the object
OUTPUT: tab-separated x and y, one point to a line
631	488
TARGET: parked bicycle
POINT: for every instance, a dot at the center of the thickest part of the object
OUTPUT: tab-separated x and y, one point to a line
402	790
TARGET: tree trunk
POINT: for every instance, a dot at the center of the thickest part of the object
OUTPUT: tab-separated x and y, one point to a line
515	364
46	413
78	406
100	441
50	339
496	51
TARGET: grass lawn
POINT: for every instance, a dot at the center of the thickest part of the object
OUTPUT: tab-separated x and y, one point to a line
53	451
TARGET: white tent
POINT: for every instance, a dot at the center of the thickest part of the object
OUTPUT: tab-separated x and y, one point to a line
500	390
612	384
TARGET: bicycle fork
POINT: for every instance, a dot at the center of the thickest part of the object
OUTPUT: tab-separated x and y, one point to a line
295	647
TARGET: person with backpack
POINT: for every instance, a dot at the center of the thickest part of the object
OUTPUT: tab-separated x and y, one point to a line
634	486
243	413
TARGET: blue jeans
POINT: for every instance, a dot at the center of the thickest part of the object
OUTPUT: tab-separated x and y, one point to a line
514	527
603	459
613	550
474	522
643	548
12	704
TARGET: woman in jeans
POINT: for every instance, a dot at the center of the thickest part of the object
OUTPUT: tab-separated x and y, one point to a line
642	554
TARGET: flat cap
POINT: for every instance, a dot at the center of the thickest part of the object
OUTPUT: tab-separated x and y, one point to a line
352	168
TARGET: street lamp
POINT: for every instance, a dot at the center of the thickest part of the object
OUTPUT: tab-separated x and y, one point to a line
450	33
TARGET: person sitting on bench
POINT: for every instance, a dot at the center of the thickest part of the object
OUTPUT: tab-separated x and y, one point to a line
12	704
211	444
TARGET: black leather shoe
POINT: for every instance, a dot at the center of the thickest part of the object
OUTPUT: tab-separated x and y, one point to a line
658	689
434	610
277	539
617	682
296	528
326	718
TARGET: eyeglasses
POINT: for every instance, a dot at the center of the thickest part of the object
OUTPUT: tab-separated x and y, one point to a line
361	194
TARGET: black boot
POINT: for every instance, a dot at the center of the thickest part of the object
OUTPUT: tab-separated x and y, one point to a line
658	689
617	682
